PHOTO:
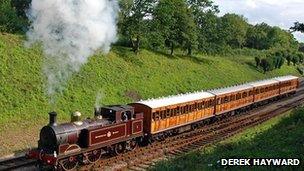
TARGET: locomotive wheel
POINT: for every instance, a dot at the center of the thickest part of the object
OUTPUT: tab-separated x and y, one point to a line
133	145
94	156
69	164
119	148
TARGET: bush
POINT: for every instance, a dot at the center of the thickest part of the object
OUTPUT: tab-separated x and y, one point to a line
9	20
295	59
257	61
301	70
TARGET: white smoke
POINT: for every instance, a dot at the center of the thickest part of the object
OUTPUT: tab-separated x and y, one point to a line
70	32
99	98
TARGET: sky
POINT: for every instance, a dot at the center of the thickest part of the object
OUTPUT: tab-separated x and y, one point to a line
282	13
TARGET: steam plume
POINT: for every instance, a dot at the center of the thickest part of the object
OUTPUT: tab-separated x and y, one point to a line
70	32
99	98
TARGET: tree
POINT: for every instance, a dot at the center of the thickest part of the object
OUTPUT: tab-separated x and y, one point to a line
298	27
21	7
279	59
234	28
288	57
257	36
257	61
133	23
175	24
265	65
295	59
207	22
9	20
263	36
301	57
280	62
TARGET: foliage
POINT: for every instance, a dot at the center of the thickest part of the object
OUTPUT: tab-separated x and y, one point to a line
132	22
234	28
174	23
21	7
295	59
257	61
298	27
10	22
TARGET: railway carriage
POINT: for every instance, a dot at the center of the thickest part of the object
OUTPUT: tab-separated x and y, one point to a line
265	89
288	84
176	113
232	98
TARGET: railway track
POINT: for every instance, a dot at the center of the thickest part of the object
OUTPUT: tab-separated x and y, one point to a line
15	163
142	158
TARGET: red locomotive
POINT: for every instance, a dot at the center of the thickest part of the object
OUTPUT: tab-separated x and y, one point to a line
116	129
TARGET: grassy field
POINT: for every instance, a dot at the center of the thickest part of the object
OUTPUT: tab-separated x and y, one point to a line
280	137
119	76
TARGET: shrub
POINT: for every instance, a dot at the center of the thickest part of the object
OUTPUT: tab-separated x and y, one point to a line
9	20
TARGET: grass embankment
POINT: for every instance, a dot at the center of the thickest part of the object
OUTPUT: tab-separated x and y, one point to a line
280	137
120	75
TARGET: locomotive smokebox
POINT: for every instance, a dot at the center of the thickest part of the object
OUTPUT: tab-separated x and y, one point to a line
53	118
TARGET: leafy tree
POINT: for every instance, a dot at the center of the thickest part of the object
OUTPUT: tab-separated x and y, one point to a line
234	29
280	62
21	7
265	65
205	16
175	24
288	57
298	27
257	36
295	59
9	20
257	61
133	23
301	57
263	36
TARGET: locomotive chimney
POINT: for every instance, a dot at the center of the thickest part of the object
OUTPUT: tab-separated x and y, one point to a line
97	113
53	118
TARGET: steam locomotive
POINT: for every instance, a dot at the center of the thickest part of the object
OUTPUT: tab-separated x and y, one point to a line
119	128
113	130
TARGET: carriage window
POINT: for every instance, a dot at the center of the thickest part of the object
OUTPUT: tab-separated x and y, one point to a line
222	100
257	91
203	104
238	96
168	113
163	114
244	95
186	109
250	93
262	90
156	116
210	103
226	99
231	97
177	111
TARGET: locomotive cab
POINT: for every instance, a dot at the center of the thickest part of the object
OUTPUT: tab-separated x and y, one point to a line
116	114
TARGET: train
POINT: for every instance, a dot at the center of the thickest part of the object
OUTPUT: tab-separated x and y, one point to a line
119	128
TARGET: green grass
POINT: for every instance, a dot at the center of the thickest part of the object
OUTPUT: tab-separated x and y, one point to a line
280	137
120	76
